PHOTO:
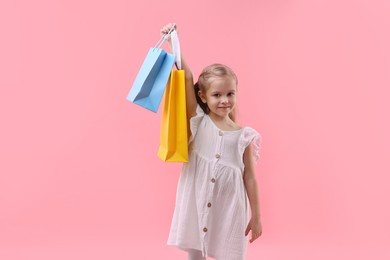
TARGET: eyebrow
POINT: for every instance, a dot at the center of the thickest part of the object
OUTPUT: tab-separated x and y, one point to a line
214	92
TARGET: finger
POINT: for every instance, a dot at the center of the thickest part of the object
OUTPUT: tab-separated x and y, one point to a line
254	237
247	230
168	27
164	29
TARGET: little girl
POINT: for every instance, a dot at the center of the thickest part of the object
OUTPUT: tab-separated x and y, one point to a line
211	216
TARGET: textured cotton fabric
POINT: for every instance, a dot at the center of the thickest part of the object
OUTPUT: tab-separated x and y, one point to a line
212	207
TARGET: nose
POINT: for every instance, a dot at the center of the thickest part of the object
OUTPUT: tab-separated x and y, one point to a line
224	100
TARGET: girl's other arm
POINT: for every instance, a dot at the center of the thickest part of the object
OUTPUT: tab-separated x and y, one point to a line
189	81
250	182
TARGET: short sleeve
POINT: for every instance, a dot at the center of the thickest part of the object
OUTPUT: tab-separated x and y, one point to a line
250	136
195	122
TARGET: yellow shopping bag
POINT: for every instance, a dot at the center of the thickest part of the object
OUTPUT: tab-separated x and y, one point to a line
173	131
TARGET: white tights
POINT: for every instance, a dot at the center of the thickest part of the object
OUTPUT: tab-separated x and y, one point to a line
195	254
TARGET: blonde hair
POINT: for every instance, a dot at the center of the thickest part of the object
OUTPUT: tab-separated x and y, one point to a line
207	75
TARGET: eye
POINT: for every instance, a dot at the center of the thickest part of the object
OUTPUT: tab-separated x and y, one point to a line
216	95
231	94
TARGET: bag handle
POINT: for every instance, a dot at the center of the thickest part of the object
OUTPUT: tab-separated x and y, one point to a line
164	37
176	48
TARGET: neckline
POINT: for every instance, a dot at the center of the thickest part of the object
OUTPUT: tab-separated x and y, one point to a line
224	131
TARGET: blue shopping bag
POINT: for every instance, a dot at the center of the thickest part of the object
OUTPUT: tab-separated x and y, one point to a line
151	81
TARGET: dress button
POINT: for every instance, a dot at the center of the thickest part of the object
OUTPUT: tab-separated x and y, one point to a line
217	156
205	229
209	204
220	133
213	180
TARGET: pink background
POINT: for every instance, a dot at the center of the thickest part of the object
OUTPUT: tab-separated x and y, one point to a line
79	174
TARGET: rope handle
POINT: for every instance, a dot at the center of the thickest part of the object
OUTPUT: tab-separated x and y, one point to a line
164	37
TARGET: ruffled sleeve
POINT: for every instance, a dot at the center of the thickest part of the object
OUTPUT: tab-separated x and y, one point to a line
248	136
195	122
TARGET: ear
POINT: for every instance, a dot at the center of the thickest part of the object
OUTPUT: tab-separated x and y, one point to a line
202	96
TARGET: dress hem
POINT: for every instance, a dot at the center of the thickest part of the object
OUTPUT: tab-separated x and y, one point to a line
184	248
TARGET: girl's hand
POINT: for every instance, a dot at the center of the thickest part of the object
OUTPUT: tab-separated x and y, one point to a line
256	228
166	29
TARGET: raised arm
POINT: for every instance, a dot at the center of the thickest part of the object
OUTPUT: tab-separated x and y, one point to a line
190	92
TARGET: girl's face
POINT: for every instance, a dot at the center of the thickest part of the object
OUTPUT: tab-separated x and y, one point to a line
220	96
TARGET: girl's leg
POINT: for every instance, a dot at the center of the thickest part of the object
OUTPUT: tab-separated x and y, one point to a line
195	254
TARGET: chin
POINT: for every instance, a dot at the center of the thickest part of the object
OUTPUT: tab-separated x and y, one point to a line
223	112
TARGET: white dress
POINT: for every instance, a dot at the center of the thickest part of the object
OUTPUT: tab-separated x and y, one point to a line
212	208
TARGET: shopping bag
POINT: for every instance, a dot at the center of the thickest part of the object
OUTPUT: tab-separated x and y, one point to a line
173	131
151	80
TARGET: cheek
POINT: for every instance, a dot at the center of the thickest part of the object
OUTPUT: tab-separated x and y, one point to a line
212	99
